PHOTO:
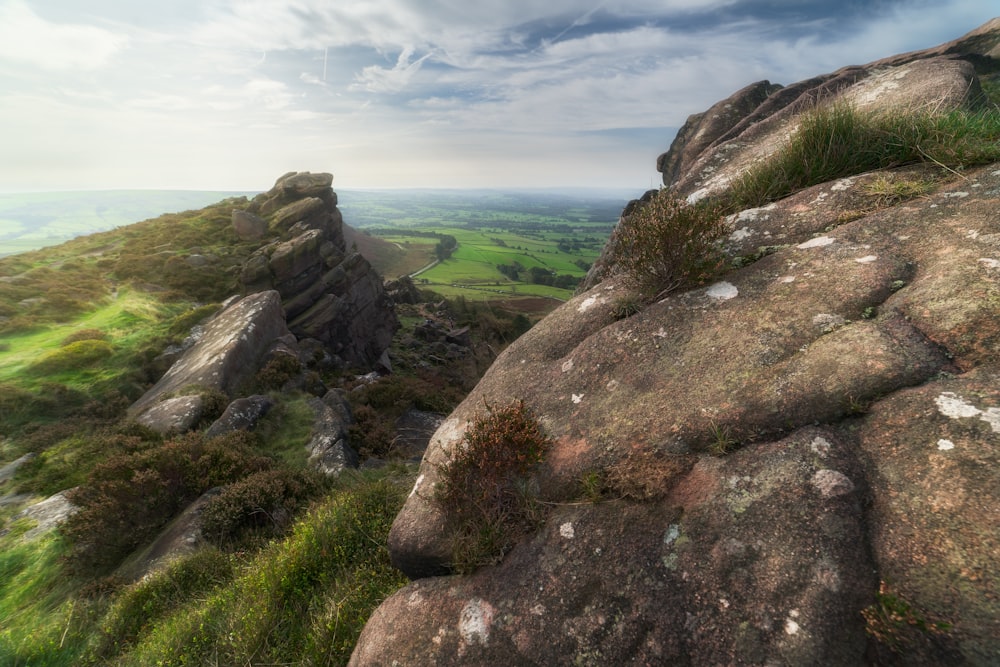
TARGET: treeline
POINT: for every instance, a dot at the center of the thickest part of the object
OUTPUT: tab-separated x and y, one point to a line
538	275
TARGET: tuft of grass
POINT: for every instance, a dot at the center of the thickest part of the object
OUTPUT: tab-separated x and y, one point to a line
886	189
899	626
625	308
837	140
485	490
665	244
643	475
722	440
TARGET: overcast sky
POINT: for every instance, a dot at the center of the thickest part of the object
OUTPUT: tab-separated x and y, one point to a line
230	94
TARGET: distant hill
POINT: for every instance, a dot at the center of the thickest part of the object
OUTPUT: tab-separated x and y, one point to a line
29	221
33	220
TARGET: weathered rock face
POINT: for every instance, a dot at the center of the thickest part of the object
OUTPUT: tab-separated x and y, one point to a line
329	294
225	355
855	362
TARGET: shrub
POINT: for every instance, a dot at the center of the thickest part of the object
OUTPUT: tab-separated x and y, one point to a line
276	373
131	495
370	434
485	489
265	501
665	243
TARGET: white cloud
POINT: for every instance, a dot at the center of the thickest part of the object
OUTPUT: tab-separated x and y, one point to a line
29	39
401	92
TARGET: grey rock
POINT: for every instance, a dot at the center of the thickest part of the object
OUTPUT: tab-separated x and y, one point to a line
226	355
173	415
328	447
241	415
248	227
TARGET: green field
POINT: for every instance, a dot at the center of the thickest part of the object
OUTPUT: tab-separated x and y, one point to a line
472	271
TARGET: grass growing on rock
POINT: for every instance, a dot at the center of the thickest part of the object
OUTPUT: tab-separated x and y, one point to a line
665	244
486	491
838	140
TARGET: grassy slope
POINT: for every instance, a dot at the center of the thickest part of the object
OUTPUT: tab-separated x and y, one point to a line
60	403
38	219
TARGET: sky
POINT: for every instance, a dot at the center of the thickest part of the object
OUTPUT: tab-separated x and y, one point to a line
231	94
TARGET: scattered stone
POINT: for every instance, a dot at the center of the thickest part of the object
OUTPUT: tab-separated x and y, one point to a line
241	415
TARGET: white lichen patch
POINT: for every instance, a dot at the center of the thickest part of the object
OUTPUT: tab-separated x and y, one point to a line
945	445
673	532
842	184
818	242
791	625
448	433
831	483
820	446
567	366
740	234
989	262
955	195
475	622
992	417
416	485
867	259
566	531
577	398
723	291
954	406
587	304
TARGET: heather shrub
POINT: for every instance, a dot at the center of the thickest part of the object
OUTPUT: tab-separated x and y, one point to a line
485	490
263	502
131	495
665	243
371	434
276	373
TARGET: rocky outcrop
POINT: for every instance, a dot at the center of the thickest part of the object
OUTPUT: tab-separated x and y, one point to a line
821	422
225	355
329	294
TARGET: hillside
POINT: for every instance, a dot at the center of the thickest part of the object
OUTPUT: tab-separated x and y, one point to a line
770	438
133	382
763	431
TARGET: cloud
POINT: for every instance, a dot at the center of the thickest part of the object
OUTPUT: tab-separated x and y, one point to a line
27	38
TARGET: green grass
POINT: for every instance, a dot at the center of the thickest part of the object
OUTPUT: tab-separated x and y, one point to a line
303	600
300	600
472	271
838	140
43	622
286	429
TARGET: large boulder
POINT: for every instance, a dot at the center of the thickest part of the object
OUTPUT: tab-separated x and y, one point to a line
852	364
224	357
